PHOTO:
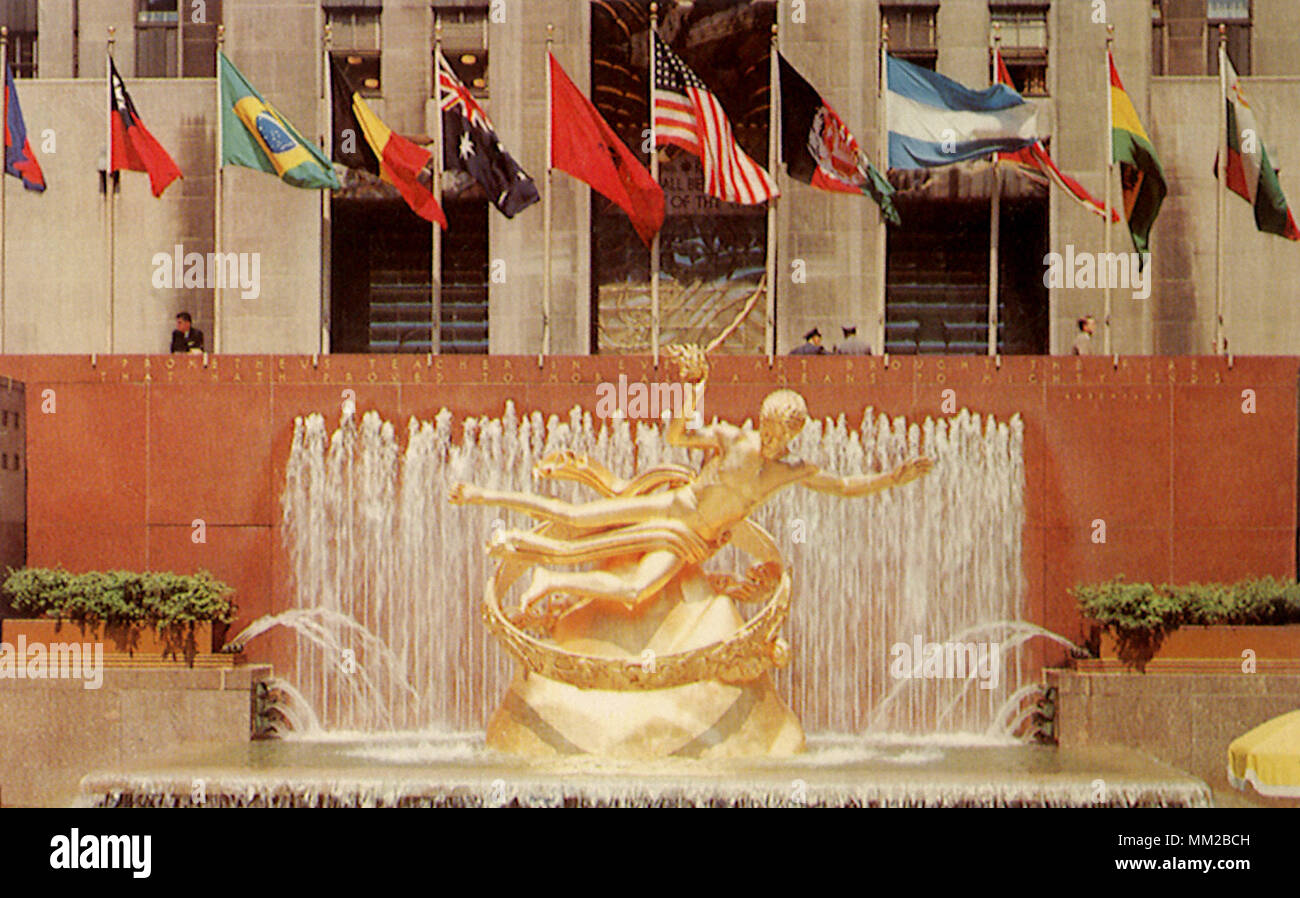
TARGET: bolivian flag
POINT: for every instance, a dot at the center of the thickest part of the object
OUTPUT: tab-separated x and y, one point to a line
362	141
254	135
1140	171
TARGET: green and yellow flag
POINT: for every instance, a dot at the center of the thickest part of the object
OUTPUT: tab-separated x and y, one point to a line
1140	171
254	135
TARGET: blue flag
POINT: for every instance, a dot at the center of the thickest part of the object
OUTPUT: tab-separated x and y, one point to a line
470	145
20	161
935	121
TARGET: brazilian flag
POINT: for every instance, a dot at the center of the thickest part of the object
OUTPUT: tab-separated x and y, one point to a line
254	135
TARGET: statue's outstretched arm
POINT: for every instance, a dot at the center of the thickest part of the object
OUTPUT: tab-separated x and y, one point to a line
857	486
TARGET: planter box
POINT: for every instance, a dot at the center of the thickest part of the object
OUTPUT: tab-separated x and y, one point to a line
123	645
1195	649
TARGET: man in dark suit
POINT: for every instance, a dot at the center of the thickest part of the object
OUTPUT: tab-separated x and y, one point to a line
812	344
186	337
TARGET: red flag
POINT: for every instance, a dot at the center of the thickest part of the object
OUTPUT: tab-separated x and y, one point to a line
584	145
134	148
1036	158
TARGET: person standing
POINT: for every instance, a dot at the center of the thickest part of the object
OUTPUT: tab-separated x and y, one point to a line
1083	342
812	344
186	337
851	345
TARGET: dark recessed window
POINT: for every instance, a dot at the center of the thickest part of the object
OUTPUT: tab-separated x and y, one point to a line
913	33
176	38
357	45
1185	36
1022	31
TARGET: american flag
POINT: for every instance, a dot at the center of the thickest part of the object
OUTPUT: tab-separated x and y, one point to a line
688	115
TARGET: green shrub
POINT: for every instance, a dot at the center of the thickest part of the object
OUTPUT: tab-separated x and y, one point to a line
1140	615
152	598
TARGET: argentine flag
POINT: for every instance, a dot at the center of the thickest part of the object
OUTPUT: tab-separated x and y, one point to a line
934	121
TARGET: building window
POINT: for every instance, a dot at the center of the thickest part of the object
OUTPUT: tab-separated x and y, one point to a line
1023	31
1158	36
913	33
357	46
20	17
1234	15
1185	36
465	44
22	53
170	43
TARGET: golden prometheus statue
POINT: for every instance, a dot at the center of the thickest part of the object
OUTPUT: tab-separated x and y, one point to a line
643	654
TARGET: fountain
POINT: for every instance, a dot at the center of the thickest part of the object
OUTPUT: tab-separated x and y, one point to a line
372	539
397	672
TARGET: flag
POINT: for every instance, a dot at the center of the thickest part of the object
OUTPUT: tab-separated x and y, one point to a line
254	135
933	120
1249	172
134	148
1035	158
818	148
688	115
584	145
20	161
1140	173
364	142
470	145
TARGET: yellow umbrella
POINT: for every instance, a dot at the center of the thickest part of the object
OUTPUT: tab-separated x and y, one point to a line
1268	757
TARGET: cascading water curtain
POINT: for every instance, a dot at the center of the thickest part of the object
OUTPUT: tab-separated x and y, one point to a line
389	577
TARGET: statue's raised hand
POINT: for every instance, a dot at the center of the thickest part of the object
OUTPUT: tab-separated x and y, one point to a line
692	362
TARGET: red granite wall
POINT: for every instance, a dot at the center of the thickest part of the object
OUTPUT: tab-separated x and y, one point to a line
124	453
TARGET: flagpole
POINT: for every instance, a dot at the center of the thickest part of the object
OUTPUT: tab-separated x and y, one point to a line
882	239
774	165
109	193
546	210
4	68
995	216
218	208
1110	177
435	256
326	200
1220	342
654	175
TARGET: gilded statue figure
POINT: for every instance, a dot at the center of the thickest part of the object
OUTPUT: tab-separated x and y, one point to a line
644	654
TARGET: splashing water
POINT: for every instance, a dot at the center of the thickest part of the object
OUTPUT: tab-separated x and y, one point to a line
384	567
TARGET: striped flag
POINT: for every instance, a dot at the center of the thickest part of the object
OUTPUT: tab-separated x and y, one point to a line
935	121
688	115
1035	158
1249	172
1141	175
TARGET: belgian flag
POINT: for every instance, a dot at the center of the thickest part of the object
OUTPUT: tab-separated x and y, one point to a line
361	141
254	135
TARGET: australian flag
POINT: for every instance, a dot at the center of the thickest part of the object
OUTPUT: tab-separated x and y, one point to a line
20	161
470	145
